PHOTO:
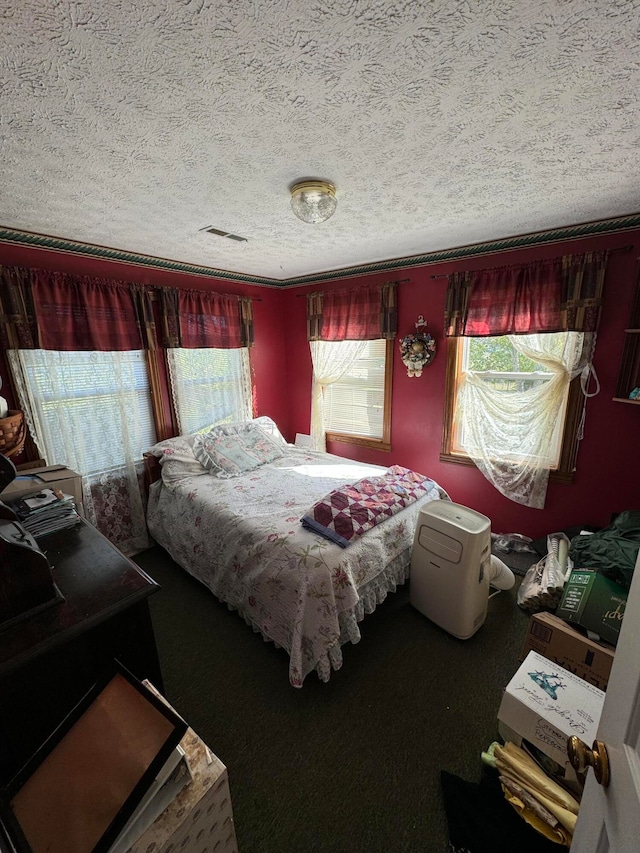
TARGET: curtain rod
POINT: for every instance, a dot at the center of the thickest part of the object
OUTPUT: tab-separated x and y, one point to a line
397	281
154	295
611	252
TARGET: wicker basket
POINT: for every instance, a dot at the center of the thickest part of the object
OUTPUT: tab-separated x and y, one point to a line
13	432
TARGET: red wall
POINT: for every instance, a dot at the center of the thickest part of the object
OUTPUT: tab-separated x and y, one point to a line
606	479
268	353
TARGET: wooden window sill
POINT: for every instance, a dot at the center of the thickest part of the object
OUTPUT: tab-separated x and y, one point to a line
461	459
360	440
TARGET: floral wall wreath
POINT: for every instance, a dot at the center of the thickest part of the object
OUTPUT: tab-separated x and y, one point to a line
417	350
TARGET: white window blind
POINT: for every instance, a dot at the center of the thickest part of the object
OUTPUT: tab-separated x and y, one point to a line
210	386
355	403
90	407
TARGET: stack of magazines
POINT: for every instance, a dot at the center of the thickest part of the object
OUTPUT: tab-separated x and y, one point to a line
45	512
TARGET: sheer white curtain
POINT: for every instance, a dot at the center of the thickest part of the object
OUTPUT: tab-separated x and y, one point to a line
331	360
92	412
510	435
210	386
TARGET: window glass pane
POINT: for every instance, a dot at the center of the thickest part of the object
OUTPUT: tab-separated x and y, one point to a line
210	386
100	394
355	403
501	365
496	353
496	361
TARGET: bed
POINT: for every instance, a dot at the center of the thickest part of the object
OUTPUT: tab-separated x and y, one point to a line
241	535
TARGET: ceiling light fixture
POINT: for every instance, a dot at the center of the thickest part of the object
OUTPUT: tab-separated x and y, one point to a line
313	201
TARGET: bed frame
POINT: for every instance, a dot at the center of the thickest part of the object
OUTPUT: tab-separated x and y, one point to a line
152	470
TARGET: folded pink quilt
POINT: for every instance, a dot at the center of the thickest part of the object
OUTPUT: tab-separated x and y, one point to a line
348	512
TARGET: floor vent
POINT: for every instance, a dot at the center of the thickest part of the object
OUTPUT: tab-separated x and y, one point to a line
227	234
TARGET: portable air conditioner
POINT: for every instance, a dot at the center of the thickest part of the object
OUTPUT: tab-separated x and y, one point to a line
451	567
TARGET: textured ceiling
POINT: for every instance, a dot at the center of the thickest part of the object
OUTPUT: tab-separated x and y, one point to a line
134	125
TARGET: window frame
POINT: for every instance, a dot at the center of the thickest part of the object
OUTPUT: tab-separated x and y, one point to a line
34	392
383	443
174	396
165	418
565	471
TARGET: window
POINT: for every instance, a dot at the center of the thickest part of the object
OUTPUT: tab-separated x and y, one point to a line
210	386
92	412
358	406
90	409
500	365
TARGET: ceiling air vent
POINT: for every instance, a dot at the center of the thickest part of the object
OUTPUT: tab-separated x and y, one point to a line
220	233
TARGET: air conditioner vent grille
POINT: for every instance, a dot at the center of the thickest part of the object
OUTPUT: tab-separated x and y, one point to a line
218	232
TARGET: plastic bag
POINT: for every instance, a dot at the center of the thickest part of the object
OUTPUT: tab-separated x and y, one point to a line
543	584
512	542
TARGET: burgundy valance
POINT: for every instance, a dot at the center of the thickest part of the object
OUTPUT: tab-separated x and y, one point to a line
364	313
560	294
59	311
195	319
80	313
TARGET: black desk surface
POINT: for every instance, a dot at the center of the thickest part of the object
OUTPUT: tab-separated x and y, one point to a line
97	582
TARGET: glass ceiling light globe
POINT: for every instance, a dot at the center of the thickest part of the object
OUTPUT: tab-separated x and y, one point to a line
313	201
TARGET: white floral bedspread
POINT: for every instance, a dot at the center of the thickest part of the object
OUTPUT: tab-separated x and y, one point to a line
243	538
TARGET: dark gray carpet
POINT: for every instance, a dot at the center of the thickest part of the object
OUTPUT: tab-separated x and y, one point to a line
351	765
518	561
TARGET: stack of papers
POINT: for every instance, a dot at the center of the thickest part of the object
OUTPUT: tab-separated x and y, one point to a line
45	512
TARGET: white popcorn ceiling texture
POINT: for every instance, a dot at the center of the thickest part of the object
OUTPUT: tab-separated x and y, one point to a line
133	125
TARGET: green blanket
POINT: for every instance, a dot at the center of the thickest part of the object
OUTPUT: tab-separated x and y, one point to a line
613	550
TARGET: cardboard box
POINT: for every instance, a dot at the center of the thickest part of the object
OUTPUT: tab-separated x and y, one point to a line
544	704
30	481
559	642
594	602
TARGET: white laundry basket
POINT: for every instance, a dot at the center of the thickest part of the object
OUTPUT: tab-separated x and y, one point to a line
450	567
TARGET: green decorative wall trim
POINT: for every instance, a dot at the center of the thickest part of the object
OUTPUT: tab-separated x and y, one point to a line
539	238
572	232
42	241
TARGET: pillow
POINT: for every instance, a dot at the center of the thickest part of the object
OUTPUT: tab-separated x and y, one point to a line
267	424
233	449
177	461
270	427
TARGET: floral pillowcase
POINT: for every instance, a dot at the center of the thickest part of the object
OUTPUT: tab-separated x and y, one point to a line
264	421
177	460
228	451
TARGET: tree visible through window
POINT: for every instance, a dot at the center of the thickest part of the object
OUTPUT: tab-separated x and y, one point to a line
500	366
